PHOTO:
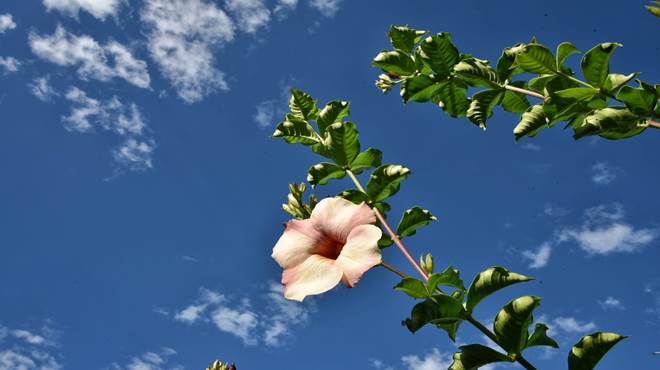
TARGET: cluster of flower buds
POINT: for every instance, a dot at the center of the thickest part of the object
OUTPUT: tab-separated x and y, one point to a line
295	205
217	365
384	82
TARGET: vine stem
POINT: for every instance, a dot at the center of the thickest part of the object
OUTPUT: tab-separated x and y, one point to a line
524	91
389	230
476	323
653	123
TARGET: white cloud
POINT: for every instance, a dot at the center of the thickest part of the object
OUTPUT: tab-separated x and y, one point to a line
435	360
251	14
272	325
100	9
6	23
531	147
327	7
611	303
10	64
150	361
29	337
603	173
26	350
240	322
604	232
570	325
93	60
266	113
182	35
284	7
378	364
89	114
540	257
42	89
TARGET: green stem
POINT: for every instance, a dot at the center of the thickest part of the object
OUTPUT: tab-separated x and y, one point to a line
389	230
395	270
524	91
576	80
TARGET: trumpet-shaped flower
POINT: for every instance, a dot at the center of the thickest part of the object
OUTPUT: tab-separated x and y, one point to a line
337	243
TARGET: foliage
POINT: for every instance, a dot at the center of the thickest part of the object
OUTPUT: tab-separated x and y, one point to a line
654	8
430	68
436	71
217	365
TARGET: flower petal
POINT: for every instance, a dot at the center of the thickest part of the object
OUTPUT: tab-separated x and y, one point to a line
314	276
360	253
338	216
296	244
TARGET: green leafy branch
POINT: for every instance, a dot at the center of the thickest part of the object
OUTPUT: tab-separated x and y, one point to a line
432	69
446	302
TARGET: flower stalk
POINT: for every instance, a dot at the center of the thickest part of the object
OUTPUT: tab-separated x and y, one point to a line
390	231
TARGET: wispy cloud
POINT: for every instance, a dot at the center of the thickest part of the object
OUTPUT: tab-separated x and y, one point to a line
602	173
160	360
553	210
100	9
271	325
284	7
435	360
604	232
327	7
531	147
10	64
182	36
92	60
250	14
611	303
538	258
125	120
41	88
6	23
28	349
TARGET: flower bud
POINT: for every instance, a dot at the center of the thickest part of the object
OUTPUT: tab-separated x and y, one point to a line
384	83
426	262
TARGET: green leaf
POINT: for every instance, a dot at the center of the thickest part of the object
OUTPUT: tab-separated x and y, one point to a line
476	72
513	101
419	88
565	50
611	123
596	63
512	323
370	158
442	310
396	62
439	53
482	105
320	174
489	281
539	83
558	109
333	112
639	100
404	38
536	58
385	241
614	81
531	122
540	337
343	142
296	130
577	93
354	196
586	354
385	181
474	356
449	277
413	287
413	219
302	105
653	9
451	97
506	62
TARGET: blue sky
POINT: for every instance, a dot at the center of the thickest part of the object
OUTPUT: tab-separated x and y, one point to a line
140	192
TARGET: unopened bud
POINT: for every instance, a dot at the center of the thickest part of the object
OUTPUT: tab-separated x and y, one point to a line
427	263
384	83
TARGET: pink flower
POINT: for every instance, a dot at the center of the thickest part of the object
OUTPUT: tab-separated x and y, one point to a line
337	243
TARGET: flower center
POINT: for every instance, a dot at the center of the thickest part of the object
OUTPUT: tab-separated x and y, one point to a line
329	248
